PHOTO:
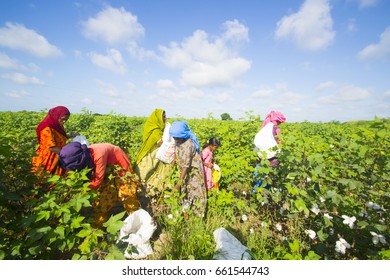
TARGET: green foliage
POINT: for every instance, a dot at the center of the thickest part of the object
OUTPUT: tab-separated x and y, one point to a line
332	184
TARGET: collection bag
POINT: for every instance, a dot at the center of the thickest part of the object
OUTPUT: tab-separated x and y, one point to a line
166	152
265	142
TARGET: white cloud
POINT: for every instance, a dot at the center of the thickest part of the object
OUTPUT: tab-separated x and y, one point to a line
377	51
7	62
264	92
222	97
351	25
109	90
114	26
87	101
367	3
290	97
347	93
112	61
20	78
200	74
206	62
16	36
326	85
311	28
165	85
235	31
17	93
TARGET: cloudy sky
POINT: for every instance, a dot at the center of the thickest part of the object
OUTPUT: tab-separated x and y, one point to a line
315	60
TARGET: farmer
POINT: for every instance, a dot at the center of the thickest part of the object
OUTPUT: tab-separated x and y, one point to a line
191	181
51	137
152	171
266	142
101	159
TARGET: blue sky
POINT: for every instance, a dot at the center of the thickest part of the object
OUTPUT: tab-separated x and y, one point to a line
315	60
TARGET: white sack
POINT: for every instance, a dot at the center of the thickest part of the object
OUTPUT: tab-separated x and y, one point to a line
81	138
265	142
166	152
137	231
229	247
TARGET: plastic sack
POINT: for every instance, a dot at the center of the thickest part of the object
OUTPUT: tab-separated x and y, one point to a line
216	175
137	231
265	142
229	247
81	138
166	152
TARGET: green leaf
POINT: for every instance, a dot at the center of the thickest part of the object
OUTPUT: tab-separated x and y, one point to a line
312	256
301	206
43	215
84	233
76	222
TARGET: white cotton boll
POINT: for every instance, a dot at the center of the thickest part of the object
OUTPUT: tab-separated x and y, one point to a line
342	246
170	216
244	218
376	206
315	209
349	221
278	227
376	238
322	199
328	216
339	248
373	205
312	234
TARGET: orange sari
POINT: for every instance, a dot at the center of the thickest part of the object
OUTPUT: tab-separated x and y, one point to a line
45	159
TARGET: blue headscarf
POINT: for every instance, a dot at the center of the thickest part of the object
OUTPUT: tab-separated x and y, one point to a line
75	156
180	129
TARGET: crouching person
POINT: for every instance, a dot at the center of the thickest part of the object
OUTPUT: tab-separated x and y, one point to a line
104	159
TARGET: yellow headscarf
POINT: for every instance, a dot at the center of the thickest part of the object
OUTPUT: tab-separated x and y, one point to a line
153	131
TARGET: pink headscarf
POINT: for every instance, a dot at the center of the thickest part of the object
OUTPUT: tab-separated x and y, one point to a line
274	116
52	120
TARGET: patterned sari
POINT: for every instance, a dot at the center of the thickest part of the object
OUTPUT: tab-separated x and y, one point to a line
45	159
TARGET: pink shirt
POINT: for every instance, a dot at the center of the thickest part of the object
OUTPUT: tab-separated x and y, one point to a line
104	154
207	157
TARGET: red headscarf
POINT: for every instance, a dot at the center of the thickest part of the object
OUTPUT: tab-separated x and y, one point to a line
52	120
274	116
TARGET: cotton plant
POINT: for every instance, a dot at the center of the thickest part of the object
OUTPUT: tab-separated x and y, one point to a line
349	221
244	218
342	246
378	238
278	227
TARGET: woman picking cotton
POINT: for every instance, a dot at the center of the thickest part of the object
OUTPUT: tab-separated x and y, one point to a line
104	159
51	137
152	171
191	181
266	142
